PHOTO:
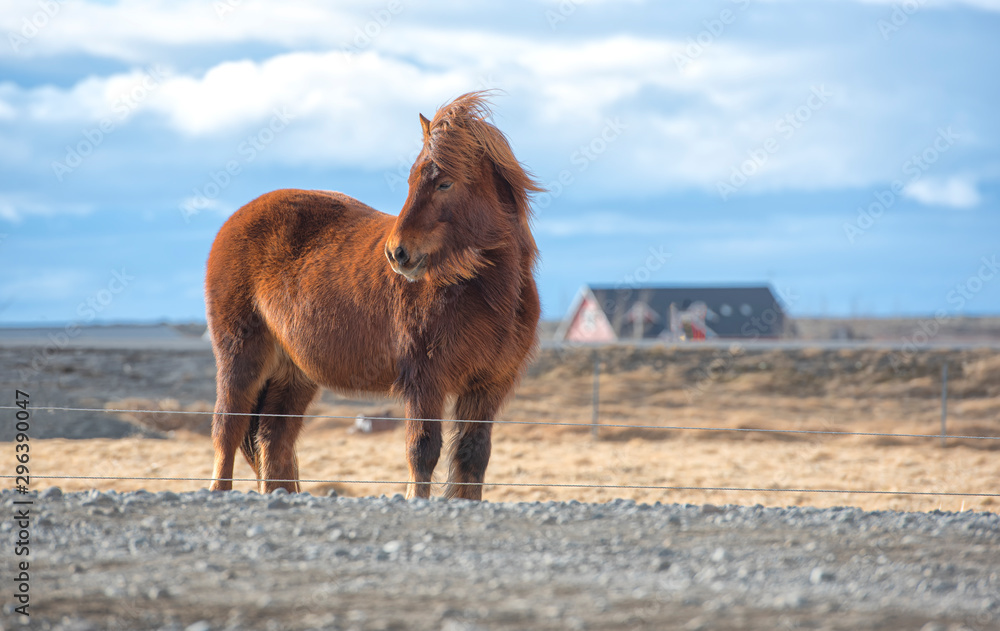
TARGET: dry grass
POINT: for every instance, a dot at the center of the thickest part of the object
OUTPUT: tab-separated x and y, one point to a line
531	456
625	456
156	420
862	390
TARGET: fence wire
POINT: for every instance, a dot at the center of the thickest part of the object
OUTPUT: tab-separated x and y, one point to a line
523	484
653	487
497	422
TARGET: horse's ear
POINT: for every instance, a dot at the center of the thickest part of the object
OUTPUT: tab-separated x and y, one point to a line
426	125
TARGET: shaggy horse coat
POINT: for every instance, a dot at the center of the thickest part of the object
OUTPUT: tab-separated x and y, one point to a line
314	288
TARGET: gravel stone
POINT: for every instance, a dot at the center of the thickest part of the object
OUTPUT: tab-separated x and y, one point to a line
232	561
51	493
820	575
392	547
256	531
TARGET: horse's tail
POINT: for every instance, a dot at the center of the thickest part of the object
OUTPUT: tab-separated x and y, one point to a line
249	444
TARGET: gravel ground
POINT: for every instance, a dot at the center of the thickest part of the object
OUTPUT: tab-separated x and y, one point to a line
201	561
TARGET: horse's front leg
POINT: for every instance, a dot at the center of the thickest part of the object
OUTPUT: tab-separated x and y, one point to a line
423	441
473	441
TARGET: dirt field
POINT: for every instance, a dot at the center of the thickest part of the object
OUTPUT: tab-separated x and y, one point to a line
807	389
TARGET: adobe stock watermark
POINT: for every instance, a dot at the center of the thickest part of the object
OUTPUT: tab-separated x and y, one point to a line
203	196
785	127
405	161
752	330
400	176
585	155
898	17
87	311
487	83
957	298
122	108
640	314
368	32
564	9
696	46
657	257
32	25
884	199
225	7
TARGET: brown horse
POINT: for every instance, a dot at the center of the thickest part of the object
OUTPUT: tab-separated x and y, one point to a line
311	288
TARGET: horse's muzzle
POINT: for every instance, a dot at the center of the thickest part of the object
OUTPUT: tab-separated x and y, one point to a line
402	263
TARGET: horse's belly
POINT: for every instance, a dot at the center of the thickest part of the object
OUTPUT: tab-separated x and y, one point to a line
344	352
346	364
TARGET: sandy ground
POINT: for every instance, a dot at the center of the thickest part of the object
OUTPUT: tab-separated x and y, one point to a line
834	390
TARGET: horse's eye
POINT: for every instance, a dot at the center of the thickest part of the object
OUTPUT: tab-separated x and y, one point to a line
444	186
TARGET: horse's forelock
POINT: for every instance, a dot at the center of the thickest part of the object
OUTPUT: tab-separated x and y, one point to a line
462	134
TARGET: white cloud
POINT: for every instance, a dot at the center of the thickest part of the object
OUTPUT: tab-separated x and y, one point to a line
195	205
9	213
6	111
687	125
47	283
138	31
605	224
235	94
135	30
954	192
986	5
14	208
115	97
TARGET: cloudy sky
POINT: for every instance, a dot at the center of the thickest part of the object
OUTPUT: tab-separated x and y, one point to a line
847	153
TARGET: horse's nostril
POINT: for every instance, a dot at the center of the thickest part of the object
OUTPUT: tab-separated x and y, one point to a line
401	256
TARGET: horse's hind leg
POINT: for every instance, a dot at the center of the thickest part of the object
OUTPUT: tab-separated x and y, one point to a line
289	391
240	376
230	425
473	441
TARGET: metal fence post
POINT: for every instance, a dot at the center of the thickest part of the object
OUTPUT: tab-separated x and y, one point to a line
595	419
944	404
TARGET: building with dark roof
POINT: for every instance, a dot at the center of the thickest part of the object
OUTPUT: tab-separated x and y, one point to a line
610	314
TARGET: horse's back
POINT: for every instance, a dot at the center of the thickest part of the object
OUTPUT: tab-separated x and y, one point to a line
278	231
292	218
303	267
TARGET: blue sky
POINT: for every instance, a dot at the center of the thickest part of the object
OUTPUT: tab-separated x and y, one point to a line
846	152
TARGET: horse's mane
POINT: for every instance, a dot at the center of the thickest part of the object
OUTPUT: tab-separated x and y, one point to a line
461	133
